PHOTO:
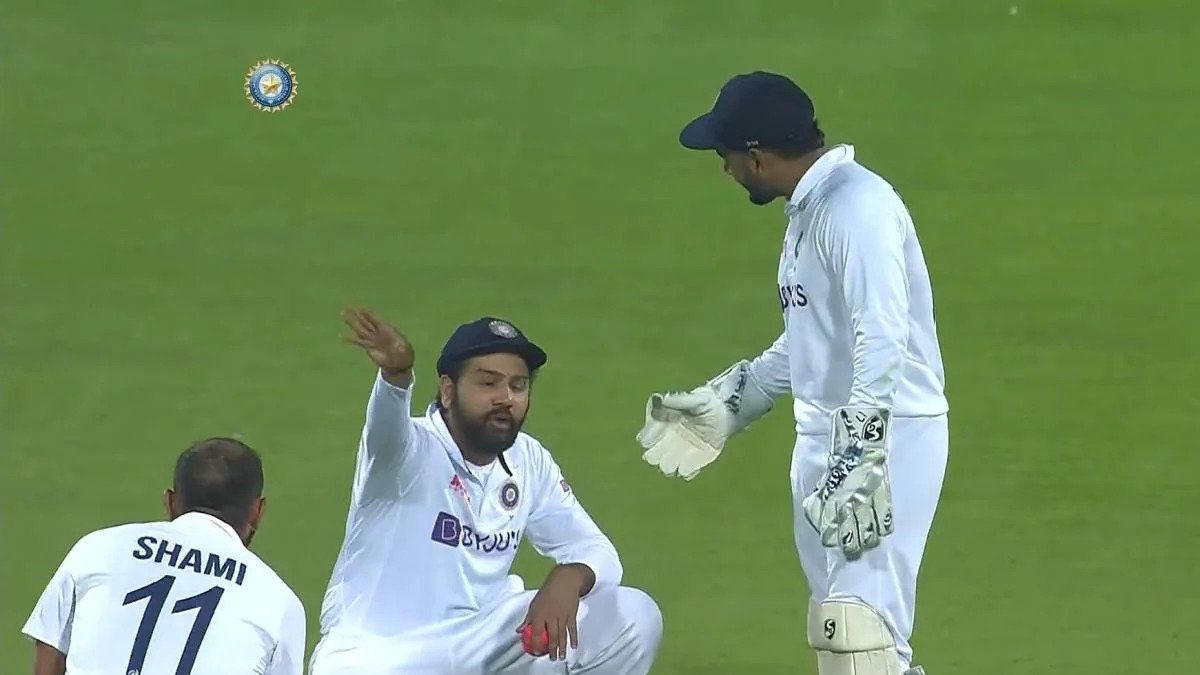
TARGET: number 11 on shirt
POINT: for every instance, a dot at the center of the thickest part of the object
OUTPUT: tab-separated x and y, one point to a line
157	593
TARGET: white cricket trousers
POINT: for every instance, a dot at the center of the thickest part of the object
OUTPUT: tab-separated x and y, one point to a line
619	632
884	577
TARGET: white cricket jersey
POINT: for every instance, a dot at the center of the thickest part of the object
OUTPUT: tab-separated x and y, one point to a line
856	301
430	537
180	597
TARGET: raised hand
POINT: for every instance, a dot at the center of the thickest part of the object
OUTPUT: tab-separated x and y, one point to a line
383	343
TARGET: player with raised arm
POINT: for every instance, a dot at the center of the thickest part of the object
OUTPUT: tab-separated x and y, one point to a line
438	507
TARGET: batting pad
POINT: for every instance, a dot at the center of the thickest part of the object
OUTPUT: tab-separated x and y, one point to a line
850	638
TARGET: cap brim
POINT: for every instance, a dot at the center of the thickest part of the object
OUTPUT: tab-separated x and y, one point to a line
700	133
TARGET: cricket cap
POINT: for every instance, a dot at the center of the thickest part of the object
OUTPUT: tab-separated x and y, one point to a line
758	109
488	335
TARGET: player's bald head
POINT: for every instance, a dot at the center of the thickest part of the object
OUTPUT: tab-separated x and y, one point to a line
219	476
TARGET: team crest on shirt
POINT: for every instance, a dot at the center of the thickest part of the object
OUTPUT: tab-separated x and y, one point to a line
510	494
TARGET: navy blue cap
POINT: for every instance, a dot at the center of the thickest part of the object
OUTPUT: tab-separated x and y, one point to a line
488	335
756	109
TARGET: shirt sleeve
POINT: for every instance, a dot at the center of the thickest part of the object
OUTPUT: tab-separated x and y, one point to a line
54	612
865	249
289	652
559	528
389	460
772	368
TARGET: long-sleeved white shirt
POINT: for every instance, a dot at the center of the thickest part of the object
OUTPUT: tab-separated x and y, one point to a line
431	537
856	301
181	596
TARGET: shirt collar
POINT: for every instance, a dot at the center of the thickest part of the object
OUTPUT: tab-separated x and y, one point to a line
825	164
209	521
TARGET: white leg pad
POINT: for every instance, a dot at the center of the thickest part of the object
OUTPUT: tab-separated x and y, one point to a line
850	638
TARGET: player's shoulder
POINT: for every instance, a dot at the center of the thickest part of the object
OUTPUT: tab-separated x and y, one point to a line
854	197
96	548
116	535
267	582
852	185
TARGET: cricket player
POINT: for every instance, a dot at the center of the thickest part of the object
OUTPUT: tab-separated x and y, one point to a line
184	596
859	356
438	507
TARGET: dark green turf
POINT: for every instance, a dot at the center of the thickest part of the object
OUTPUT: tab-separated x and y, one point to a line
173	262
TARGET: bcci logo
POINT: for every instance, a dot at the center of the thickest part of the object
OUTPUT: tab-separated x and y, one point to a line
270	85
502	328
509	495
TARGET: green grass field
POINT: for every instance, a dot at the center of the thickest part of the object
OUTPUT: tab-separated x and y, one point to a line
173	263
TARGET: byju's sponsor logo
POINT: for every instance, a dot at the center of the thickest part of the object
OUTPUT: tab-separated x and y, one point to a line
449	530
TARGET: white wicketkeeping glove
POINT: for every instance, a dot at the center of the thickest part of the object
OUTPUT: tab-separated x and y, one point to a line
686	432
852	505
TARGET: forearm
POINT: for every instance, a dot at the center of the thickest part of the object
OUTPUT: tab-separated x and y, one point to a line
386	454
389	423
48	661
771	370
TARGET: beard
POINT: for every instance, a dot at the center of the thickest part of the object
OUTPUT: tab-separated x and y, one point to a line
759	195
491	433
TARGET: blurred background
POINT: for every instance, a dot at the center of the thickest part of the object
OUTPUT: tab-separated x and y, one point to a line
173	262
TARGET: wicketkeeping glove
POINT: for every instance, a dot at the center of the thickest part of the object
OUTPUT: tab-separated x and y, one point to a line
852	505
685	432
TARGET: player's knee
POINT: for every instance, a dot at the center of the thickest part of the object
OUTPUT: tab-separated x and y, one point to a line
643	615
851	638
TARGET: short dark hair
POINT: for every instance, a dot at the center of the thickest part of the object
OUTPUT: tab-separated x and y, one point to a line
798	145
222	477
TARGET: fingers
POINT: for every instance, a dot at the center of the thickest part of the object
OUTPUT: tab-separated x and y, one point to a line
882	503
560	639
651	434
553	643
822	516
355	320
369	318
849	535
365	344
551	646
573	631
868	528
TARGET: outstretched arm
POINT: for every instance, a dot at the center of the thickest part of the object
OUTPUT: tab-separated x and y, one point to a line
388	459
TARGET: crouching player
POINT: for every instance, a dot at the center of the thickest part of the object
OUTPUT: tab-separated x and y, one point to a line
438	508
